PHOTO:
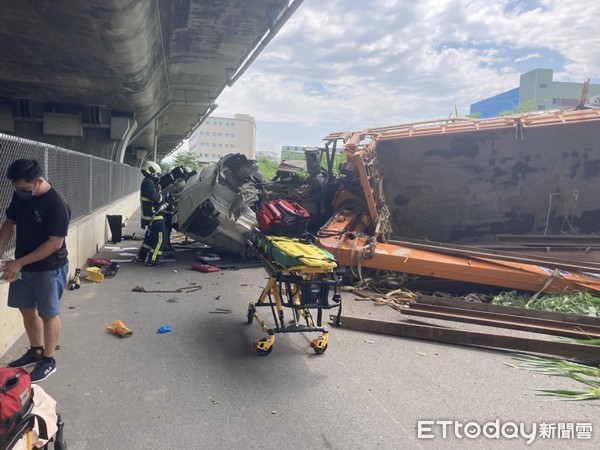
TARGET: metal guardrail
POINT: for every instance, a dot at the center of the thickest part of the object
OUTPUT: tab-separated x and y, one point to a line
87	182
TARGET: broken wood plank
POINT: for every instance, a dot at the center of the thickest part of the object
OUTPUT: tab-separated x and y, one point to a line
580	352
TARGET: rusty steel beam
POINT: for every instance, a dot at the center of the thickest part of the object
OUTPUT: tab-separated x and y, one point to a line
483	253
580	352
550	240
550	327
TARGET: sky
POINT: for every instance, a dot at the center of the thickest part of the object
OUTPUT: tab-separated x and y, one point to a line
340	65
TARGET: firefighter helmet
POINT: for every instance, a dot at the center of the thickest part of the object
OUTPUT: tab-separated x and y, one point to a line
151	169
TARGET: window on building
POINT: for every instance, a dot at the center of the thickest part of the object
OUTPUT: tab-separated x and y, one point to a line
233	124
214	144
541	107
220	134
214	123
569	102
214	133
220	145
231	146
226	134
226	145
221	124
543	85
232	134
556	101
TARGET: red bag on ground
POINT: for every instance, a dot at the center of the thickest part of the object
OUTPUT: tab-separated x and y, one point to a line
16	399
282	218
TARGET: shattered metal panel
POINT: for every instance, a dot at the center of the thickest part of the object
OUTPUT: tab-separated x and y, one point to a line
471	186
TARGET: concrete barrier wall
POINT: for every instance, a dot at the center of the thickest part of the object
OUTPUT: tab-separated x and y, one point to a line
86	235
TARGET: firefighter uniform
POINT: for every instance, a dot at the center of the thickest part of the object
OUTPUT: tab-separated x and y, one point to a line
152	217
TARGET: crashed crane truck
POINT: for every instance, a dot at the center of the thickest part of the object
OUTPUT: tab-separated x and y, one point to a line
457	181
467	180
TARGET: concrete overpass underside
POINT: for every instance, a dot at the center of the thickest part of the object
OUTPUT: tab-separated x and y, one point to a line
122	79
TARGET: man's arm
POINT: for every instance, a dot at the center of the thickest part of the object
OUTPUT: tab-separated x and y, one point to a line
11	268
7	231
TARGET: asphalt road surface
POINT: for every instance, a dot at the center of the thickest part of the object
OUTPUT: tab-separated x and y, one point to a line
203	386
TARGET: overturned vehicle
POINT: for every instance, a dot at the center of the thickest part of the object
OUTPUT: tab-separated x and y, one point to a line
215	205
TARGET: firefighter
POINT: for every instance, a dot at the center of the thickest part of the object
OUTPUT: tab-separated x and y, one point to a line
152	217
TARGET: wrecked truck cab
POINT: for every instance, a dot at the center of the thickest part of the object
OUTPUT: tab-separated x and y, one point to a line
215	206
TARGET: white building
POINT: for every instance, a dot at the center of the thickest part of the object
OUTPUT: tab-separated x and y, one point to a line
220	136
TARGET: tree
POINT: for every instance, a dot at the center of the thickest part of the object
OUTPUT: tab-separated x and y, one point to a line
186	159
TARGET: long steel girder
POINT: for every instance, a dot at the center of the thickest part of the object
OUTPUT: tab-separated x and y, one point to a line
134	56
344	237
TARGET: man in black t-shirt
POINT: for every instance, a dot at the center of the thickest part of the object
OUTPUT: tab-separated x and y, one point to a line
39	216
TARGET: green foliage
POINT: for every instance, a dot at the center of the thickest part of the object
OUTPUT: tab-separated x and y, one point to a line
187	159
267	166
506	112
475	115
527	106
524	107
456	113
581	303
588	375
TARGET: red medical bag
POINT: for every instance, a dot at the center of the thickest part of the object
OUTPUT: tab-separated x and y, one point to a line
282	218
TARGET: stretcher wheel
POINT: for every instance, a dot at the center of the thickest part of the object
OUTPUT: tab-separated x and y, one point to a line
319	345
320	350
250	315
263	351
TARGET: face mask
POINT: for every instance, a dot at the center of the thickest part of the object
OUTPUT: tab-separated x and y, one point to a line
25	195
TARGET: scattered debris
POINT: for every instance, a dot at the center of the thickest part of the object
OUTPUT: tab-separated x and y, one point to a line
76	281
220	311
165	329
181	290
94	274
206	268
120	329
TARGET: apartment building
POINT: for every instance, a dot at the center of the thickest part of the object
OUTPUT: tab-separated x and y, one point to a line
220	136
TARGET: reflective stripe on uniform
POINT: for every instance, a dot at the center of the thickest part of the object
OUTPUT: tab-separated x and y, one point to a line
156	253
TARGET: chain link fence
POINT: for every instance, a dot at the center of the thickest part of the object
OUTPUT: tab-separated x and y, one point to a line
87	182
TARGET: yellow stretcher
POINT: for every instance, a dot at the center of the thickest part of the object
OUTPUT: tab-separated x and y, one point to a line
301	277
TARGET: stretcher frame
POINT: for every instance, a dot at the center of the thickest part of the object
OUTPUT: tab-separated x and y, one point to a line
301	289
